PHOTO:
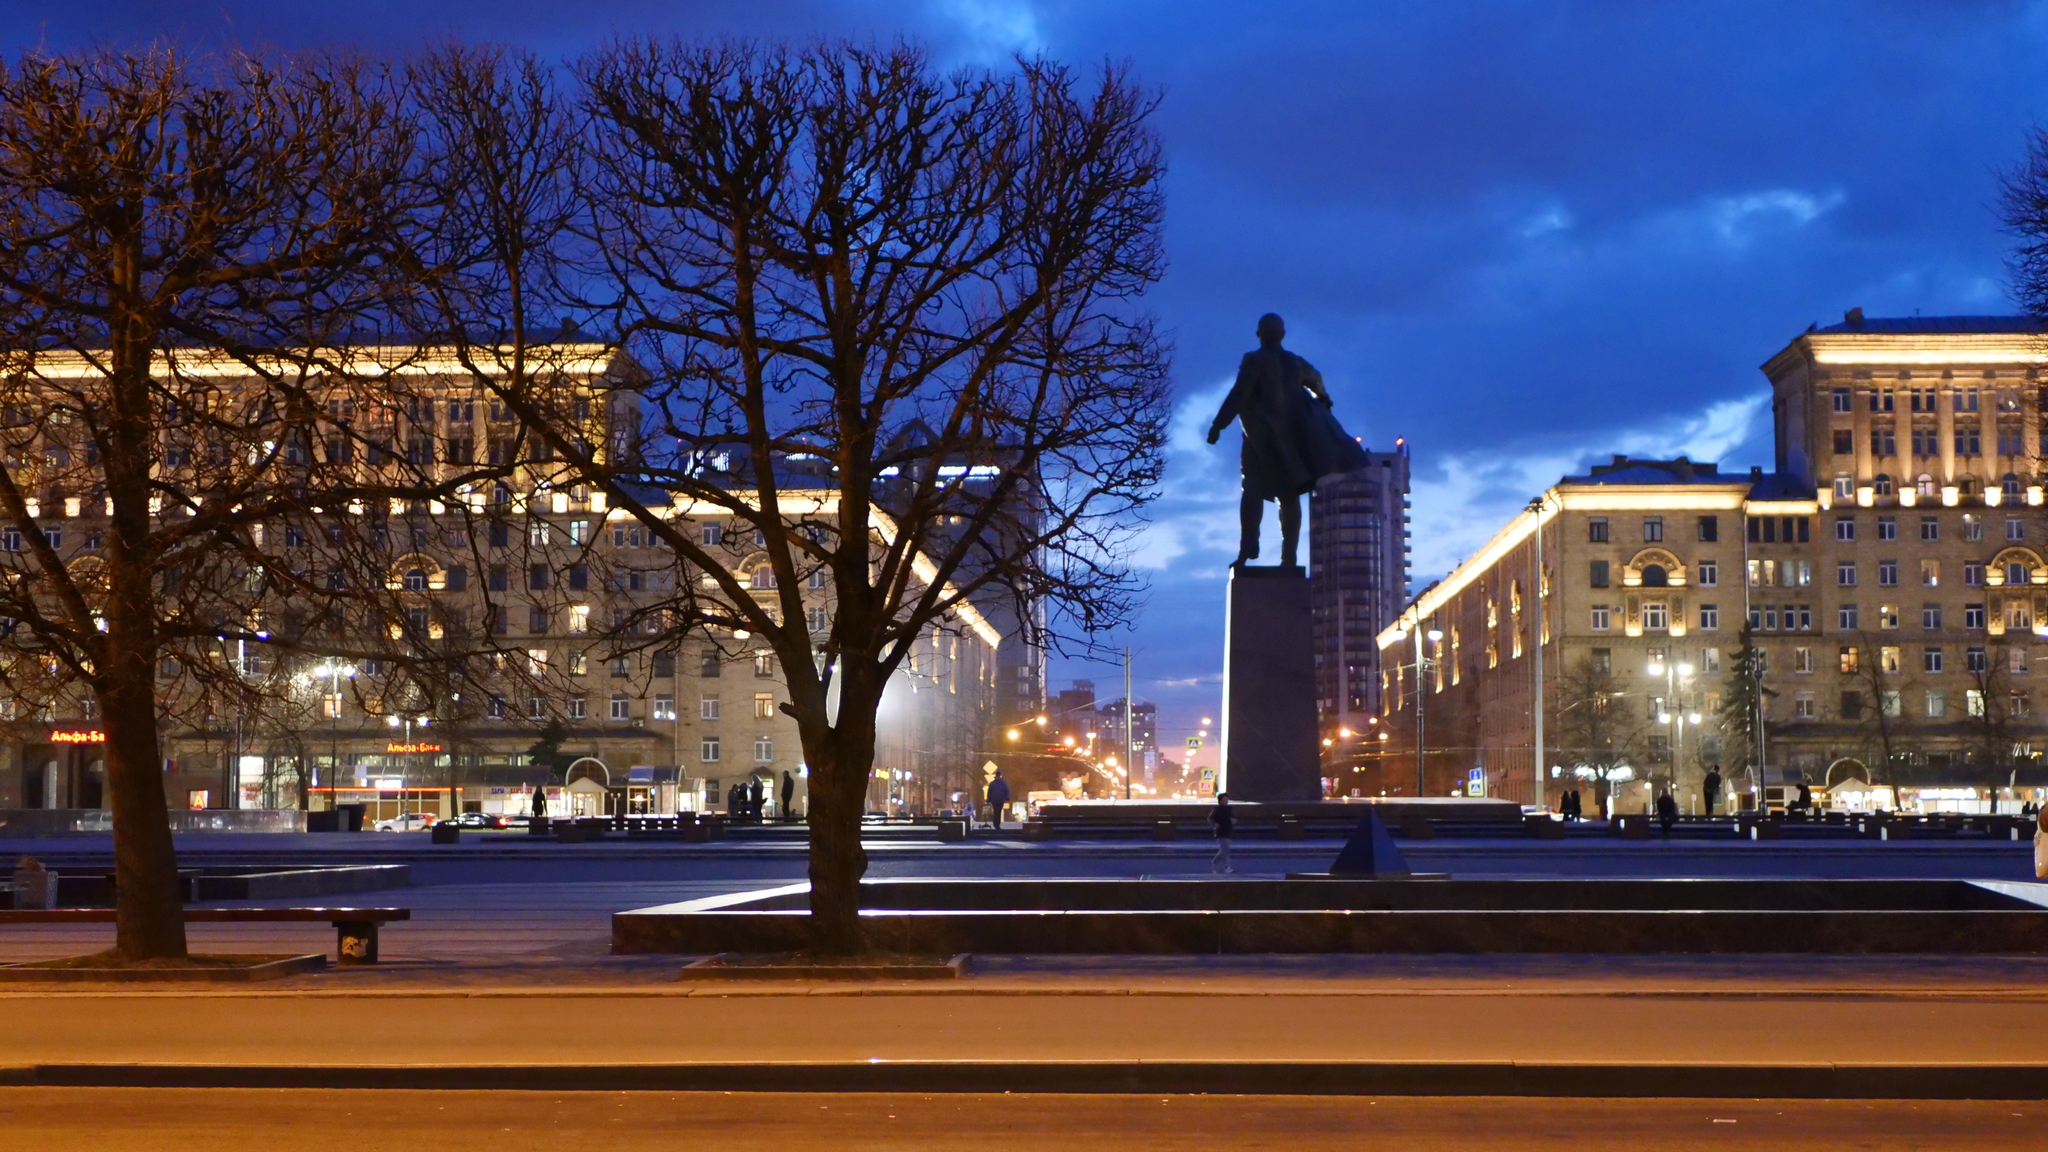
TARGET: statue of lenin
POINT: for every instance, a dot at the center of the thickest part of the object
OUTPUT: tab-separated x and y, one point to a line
1290	438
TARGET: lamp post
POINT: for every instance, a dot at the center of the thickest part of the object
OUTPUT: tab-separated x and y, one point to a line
1674	673
335	671
408	721
1422	664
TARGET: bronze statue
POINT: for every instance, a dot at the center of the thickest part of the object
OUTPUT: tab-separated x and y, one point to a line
1290	440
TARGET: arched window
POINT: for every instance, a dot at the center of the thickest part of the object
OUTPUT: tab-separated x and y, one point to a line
2015	573
1883	484
1654	576
1967	486
1925	485
2010	486
764	577
415	580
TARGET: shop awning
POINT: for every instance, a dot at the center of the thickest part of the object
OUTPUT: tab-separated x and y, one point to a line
647	775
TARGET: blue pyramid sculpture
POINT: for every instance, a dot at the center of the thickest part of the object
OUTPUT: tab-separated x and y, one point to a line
1370	851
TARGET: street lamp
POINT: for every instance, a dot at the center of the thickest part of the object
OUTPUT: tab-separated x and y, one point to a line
1422	664
335	671
1674	674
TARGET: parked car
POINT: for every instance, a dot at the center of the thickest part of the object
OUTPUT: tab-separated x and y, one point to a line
484	820
407	822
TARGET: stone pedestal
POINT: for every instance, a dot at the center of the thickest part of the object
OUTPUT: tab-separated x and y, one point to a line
1271	748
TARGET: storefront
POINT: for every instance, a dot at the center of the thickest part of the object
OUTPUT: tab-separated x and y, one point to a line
66	770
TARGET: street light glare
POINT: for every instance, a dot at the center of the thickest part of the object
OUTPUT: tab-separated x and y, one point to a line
1685	669
1435	634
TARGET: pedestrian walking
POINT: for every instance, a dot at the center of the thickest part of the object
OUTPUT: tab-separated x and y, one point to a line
1667	812
2041	843
998	799
1225	823
788	796
1710	788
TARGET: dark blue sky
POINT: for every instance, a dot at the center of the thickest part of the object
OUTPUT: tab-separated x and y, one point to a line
1522	235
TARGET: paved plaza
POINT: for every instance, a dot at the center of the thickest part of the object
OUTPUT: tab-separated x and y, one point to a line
503	979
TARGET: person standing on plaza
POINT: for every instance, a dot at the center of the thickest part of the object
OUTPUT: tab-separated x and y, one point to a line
1667	812
1225	823
757	794
998	799
2041	843
788	796
1710	788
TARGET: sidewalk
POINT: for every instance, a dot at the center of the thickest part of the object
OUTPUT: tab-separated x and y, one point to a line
1410	1025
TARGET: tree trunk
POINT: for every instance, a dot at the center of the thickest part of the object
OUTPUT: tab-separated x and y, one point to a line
149	913
839	787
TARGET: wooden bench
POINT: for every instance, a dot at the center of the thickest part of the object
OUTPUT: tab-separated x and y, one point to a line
355	929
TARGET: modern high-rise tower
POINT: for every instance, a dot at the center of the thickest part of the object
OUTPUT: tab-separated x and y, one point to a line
1358	580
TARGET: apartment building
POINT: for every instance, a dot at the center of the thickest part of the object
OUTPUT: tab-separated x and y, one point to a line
1889	571
529	639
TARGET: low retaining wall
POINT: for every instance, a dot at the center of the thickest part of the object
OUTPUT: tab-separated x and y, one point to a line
1583	916
88	821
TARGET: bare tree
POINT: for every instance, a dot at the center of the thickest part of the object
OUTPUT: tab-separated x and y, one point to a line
1598	727
1988	713
1880	671
891	327
188	250
2023	207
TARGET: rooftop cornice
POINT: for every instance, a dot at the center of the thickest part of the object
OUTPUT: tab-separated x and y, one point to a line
1910	349
367	360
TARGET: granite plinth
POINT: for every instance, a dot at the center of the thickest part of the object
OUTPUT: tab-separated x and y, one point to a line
1335	915
1272	749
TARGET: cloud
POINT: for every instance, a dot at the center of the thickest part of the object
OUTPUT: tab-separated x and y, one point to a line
1462	501
991	31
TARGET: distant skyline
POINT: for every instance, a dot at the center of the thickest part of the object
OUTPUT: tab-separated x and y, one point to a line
1522	235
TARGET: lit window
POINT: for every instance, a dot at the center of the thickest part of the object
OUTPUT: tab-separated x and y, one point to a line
764	706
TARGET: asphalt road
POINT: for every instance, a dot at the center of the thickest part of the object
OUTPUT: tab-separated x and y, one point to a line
786	1025
116	1120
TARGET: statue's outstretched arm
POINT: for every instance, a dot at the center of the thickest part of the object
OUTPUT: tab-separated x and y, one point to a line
1314	382
1228	411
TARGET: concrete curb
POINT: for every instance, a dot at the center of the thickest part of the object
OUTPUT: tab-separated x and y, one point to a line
1277	1078
274	968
